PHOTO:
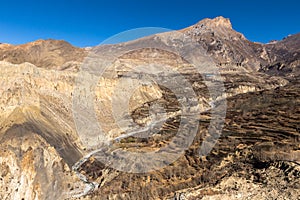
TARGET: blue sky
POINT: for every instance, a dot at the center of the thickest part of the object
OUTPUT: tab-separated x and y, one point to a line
89	22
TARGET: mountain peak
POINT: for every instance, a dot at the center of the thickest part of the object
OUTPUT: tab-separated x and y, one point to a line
216	22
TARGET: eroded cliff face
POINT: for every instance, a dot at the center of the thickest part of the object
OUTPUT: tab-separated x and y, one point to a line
257	155
31	168
38	146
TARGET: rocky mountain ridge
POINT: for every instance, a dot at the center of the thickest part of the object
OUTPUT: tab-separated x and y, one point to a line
49	54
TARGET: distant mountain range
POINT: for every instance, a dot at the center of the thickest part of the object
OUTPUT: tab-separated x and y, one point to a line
225	45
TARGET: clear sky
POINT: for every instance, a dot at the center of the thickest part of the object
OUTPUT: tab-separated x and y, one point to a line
89	22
